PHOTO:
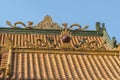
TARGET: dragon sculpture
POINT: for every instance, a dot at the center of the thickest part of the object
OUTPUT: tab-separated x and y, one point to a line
79	26
29	25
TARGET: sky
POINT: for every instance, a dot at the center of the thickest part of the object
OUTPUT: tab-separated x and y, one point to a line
83	12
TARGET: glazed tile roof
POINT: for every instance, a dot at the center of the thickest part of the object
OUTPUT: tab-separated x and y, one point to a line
20	40
41	54
38	65
65	66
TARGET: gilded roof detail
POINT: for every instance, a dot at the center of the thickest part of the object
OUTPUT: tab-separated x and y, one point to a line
54	41
47	23
48	52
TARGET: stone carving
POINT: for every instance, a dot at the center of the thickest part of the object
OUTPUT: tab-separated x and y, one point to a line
47	23
29	25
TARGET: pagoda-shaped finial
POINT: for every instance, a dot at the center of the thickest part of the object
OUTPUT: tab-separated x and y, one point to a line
48	18
47	23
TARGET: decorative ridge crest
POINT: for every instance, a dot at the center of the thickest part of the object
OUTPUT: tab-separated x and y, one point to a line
29	25
47	23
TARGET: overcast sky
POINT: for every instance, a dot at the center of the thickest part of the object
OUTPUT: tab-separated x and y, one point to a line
83	12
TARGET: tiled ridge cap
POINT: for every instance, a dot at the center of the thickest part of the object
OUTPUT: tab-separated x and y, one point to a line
69	51
47	31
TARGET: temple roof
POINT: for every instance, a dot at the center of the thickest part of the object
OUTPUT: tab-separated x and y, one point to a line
50	52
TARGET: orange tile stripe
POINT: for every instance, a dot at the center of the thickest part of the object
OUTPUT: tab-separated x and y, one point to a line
19	40
65	66
60	66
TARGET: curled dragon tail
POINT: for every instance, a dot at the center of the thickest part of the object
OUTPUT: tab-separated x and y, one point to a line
15	24
9	23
